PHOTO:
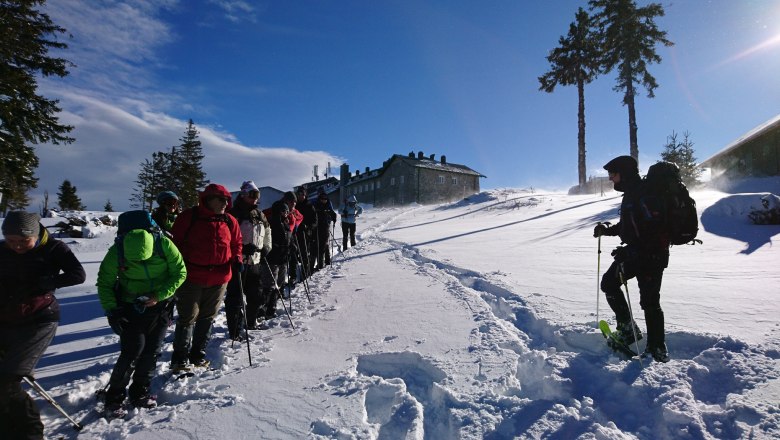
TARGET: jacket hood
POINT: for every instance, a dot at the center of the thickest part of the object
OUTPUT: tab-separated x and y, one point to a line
214	189
138	245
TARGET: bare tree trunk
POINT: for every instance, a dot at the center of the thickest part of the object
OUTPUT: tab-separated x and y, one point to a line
581	170
632	127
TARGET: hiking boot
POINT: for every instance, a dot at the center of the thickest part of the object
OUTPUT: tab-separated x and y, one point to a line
625	334
200	363
146	401
659	353
242	338
180	367
114	410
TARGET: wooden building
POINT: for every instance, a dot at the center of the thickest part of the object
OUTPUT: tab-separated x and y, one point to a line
757	153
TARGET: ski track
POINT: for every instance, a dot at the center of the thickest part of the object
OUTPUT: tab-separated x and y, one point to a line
536	378
544	394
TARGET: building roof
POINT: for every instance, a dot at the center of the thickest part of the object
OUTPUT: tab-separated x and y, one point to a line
417	162
750	135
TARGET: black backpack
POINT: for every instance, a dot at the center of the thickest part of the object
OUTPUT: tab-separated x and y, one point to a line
678	207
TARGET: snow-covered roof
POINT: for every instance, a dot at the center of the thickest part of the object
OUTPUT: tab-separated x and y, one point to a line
761	129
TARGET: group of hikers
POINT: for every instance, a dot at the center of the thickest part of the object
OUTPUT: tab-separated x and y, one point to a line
188	261
225	250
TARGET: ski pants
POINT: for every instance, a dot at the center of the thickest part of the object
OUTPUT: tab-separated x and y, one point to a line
140	345
274	277
348	229
197	306
21	347
234	301
323	248
649	274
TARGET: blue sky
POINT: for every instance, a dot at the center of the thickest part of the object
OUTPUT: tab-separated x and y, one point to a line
277	87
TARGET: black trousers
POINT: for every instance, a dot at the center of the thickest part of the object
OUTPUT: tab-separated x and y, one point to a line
234	301
140	345
348	229
649	274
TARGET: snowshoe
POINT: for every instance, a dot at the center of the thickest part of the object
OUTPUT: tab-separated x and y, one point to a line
114	411
659	354
147	401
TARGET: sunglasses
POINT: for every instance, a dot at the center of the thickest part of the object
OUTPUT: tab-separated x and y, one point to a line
253	194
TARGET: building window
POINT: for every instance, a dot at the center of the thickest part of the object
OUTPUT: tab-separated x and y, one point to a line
377	184
454	180
392	181
441	180
401	180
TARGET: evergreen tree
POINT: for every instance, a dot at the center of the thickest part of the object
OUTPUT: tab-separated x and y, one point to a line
628	35
108	207
682	154
26	36
187	163
152	179
574	62
67	198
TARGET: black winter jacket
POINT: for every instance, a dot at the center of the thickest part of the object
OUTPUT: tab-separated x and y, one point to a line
28	281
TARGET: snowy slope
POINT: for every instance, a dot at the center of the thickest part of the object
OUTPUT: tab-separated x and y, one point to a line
472	320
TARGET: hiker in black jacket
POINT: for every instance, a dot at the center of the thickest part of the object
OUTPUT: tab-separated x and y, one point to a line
326	217
306	232
32	266
644	256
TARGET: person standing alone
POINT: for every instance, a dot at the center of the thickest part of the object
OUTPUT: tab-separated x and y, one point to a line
349	214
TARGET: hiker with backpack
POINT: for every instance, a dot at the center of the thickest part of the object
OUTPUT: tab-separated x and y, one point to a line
326	216
645	255
167	209
275	270
349	214
256	236
32	266
306	232
209	240
136	283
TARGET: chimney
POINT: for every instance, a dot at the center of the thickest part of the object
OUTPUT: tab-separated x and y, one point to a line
443	159
411	154
357	173
420	155
344	173
368	170
432	157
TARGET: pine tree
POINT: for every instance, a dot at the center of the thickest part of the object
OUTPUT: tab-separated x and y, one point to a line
682	154
574	62
189	175
152	179
108	207
26	36
628	35
67	198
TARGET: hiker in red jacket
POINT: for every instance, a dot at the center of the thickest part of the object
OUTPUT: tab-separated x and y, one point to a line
209	239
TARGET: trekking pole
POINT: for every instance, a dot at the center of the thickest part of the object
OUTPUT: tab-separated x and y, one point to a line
303	268
243	311
598	274
279	293
31	381
630	312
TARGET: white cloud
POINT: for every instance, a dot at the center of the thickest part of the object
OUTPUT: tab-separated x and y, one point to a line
119	113
236	10
112	141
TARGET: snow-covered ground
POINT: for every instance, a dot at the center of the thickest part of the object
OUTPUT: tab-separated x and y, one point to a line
471	320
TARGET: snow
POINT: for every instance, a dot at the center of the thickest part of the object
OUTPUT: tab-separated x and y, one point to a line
470	320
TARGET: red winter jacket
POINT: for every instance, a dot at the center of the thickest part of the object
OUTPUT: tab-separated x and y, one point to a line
208	242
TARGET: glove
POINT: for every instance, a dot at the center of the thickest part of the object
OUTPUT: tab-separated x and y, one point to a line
623	254
599	230
117	321
46	283
249	249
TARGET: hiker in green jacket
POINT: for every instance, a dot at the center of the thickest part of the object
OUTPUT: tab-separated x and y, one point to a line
136	290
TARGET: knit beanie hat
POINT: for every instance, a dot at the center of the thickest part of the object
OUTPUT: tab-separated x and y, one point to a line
625	165
26	224
248	187
288	196
165	195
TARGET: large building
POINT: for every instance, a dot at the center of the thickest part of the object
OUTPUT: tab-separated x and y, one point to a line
757	153
410	179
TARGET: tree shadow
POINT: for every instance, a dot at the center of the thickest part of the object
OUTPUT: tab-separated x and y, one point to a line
719	219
